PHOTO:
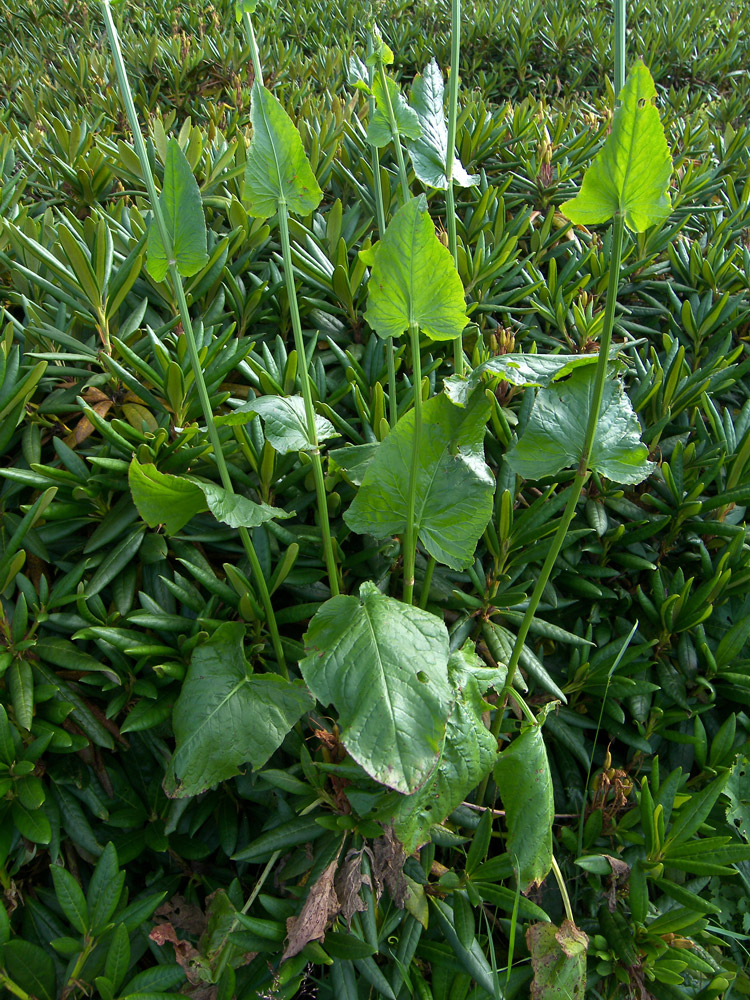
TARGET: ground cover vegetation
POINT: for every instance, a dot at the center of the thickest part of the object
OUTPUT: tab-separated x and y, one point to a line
376	454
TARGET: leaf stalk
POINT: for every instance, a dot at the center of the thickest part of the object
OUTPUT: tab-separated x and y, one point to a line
187	326
304	377
410	535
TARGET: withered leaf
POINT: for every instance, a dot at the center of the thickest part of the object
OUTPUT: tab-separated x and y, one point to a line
320	906
388	866
349	882
558	958
185	953
619	877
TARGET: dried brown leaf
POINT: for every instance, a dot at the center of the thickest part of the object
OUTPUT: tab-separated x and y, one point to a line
349	882
388	866
320	906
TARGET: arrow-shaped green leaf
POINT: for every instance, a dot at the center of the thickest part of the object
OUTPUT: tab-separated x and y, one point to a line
277	167
630	174
182	208
413	279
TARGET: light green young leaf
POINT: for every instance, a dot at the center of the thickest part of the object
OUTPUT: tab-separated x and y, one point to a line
383	665
285	420
429	152
454	485
174	500
226	716
524	781
469	753
519	370
182	207
277	166
413	279
244	7
631	172
554	436
407	123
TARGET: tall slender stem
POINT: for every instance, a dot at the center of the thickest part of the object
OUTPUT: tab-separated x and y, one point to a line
582	473
405	192
247	24
187	326
427	582
380	216
410	535
620	27
450	204
304	377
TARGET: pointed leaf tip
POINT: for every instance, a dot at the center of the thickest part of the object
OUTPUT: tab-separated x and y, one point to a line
631	172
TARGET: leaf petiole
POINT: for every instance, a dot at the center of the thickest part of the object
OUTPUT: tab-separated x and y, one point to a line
410	535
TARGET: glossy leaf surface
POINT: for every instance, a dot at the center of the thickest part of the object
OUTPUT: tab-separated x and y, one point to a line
429	151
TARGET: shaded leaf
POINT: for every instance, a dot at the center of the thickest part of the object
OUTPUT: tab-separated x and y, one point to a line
454	485
30	967
429	152
182	208
468	754
554	436
383	665
226	716
738	791
277	167
524	781
413	279
558	958
631	172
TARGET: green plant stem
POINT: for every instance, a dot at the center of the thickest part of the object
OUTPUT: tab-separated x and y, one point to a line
380	216
304	377
187	326
620	27
427	582
247	24
582	473
563	889
405	192
450	203
13	988
410	535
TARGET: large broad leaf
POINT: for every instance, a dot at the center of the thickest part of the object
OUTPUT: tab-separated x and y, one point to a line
429	152
383	665
174	500
454	485
407	124
558	958
413	279
524	781
285	420
182	207
554	436
519	370
277	166
630	174
469	753
227	716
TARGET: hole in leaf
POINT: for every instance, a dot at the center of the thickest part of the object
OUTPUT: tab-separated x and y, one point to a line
423	677
642	102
